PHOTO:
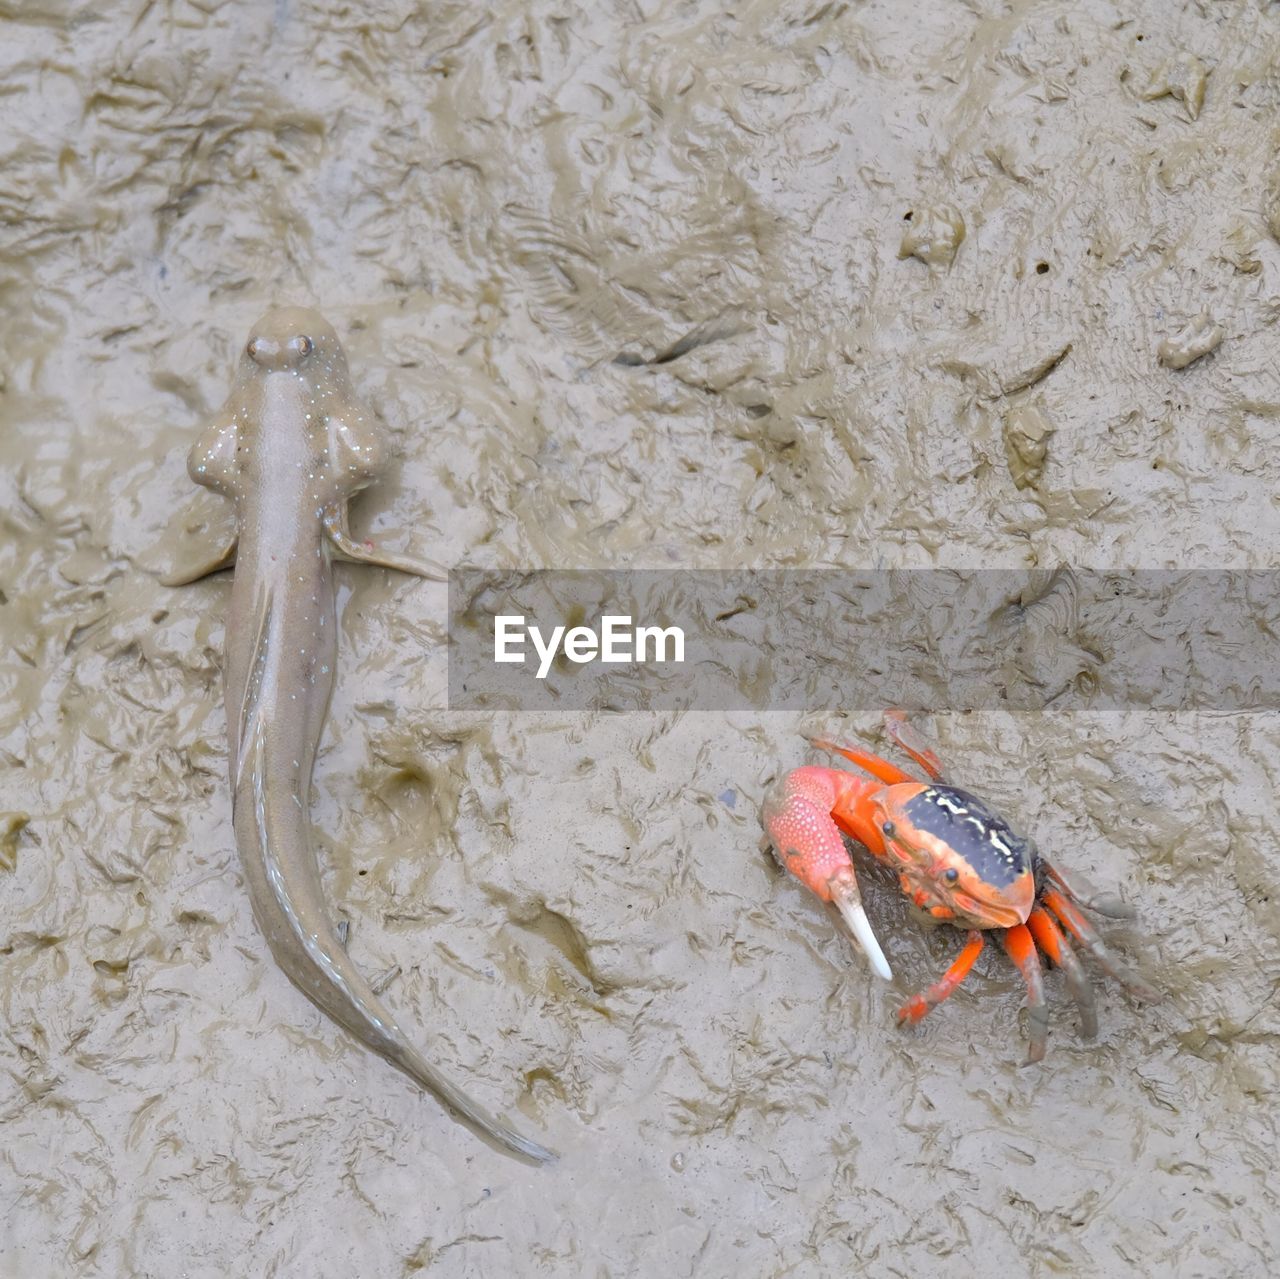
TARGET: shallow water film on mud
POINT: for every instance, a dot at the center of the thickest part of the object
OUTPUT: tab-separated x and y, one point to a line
660	286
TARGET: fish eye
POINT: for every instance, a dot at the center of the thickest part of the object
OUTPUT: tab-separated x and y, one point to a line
303	345
251	348
889	830
951	875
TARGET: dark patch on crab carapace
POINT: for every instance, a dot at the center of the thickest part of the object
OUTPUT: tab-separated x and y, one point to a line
971	832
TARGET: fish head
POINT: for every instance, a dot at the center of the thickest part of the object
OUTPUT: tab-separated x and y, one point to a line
289	339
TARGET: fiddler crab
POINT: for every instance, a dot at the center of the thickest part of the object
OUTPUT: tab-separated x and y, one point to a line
957	859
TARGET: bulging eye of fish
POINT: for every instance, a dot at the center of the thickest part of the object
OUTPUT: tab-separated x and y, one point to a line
278	352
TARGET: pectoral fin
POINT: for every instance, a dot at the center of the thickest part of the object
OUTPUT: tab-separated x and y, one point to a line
186	574
335	526
212	460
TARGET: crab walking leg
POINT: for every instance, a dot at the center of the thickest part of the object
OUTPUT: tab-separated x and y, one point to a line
914	743
918	1005
888	773
1085	933
1022	950
1080	891
801	828
1049	938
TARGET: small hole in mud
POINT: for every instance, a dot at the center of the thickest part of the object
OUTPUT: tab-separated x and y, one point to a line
364	872
908	215
1042	268
1141	37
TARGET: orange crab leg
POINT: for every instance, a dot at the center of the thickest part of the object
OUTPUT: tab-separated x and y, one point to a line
1022	950
918	1005
1085	933
1049	938
889	773
895	723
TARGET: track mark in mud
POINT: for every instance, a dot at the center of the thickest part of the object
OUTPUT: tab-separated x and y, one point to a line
562	935
998	374
718	330
574	295
11	827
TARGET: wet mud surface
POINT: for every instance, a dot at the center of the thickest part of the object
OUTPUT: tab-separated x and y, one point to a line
630	286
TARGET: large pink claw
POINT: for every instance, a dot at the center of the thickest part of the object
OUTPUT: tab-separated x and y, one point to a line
808	843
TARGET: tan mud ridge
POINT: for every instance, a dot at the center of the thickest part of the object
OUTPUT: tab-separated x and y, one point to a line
625	289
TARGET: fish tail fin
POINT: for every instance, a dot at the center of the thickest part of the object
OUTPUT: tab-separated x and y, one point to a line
409	1060
315	961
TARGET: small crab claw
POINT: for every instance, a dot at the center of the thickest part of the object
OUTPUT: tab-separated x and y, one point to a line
808	843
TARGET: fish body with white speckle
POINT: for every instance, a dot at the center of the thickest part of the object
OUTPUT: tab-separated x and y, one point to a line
290	448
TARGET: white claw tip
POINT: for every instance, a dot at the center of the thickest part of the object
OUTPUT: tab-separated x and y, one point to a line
860	926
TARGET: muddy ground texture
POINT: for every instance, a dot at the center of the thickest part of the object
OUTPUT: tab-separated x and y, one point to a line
654	285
